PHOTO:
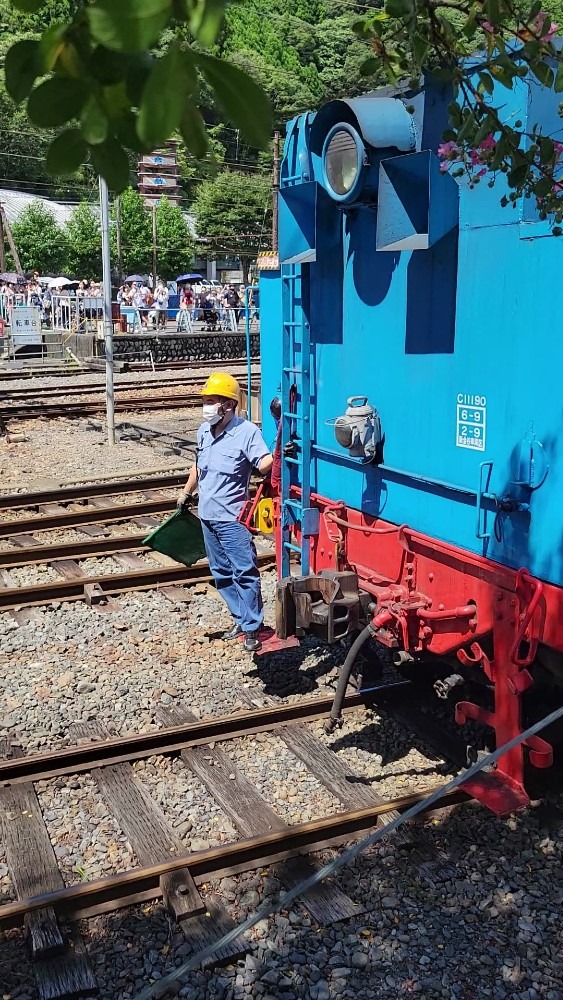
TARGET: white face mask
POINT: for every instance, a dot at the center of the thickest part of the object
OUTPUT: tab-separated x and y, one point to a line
212	413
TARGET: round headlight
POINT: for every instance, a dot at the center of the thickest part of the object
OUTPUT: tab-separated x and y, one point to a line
343	156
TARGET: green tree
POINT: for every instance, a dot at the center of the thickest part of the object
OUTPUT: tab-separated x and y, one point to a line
193	171
123	77
233	216
174	241
84	243
40	242
136	234
514	40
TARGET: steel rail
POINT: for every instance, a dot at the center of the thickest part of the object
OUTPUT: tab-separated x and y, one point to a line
52	391
135	746
27	412
95	364
79	408
12	598
107	546
68	519
10	501
140	884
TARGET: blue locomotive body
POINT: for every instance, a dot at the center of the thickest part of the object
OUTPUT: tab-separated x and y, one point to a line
411	335
438	305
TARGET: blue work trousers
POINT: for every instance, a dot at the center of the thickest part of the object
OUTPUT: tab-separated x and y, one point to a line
232	559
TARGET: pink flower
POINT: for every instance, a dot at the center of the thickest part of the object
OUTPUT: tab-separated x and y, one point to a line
488	27
481	172
558	147
448	150
489	142
444	167
537	25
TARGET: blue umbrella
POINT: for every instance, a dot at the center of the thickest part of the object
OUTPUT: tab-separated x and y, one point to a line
190	277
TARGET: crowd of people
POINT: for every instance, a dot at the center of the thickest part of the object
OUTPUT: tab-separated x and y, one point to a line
70	304
216	306
52	298
150	304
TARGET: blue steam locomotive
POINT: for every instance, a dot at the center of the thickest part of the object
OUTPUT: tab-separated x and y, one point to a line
410	336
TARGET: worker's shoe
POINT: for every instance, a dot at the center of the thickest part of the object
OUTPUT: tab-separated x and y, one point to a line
251	642
232	633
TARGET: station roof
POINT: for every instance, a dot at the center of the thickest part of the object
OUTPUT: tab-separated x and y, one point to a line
15	202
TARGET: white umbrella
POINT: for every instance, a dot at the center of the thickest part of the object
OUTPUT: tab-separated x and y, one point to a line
61	282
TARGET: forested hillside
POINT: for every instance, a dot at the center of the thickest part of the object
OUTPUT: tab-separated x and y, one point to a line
302	51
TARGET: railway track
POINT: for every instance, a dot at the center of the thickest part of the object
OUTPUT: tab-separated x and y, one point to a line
100	488
93	364
185	381
80	408
166	869
89	511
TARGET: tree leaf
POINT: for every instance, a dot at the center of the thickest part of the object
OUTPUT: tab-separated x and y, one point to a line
110	160
51	45
94	122
56	101
499	153
67	152
106	65
558	85
467	129
543	187
136	76
485	128
205	20
547	148
192	128
370	66
242	100
542	72
128	25
487	83
399	8
164	94
420	47
21	68
29	6
126	132
518	175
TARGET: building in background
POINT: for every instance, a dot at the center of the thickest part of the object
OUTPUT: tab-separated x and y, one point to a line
158	175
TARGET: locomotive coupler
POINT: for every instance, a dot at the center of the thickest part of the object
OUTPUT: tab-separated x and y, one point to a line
444	686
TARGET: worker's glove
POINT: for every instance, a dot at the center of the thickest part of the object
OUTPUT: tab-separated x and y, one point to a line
185	501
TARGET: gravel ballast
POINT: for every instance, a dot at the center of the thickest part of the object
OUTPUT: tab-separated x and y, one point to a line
490	928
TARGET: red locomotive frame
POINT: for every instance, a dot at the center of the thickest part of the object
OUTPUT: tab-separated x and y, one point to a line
435	598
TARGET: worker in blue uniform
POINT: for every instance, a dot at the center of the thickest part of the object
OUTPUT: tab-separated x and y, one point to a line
228	448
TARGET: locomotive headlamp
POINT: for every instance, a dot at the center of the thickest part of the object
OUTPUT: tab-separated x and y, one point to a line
343	159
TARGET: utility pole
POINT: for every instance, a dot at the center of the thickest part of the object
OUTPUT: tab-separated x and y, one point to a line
2	248
276	188
118	239
5	226
154	235
108	321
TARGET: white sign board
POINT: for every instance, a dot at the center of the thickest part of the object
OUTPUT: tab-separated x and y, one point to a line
26	325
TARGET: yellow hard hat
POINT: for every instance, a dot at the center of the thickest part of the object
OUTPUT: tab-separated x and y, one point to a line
221	384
